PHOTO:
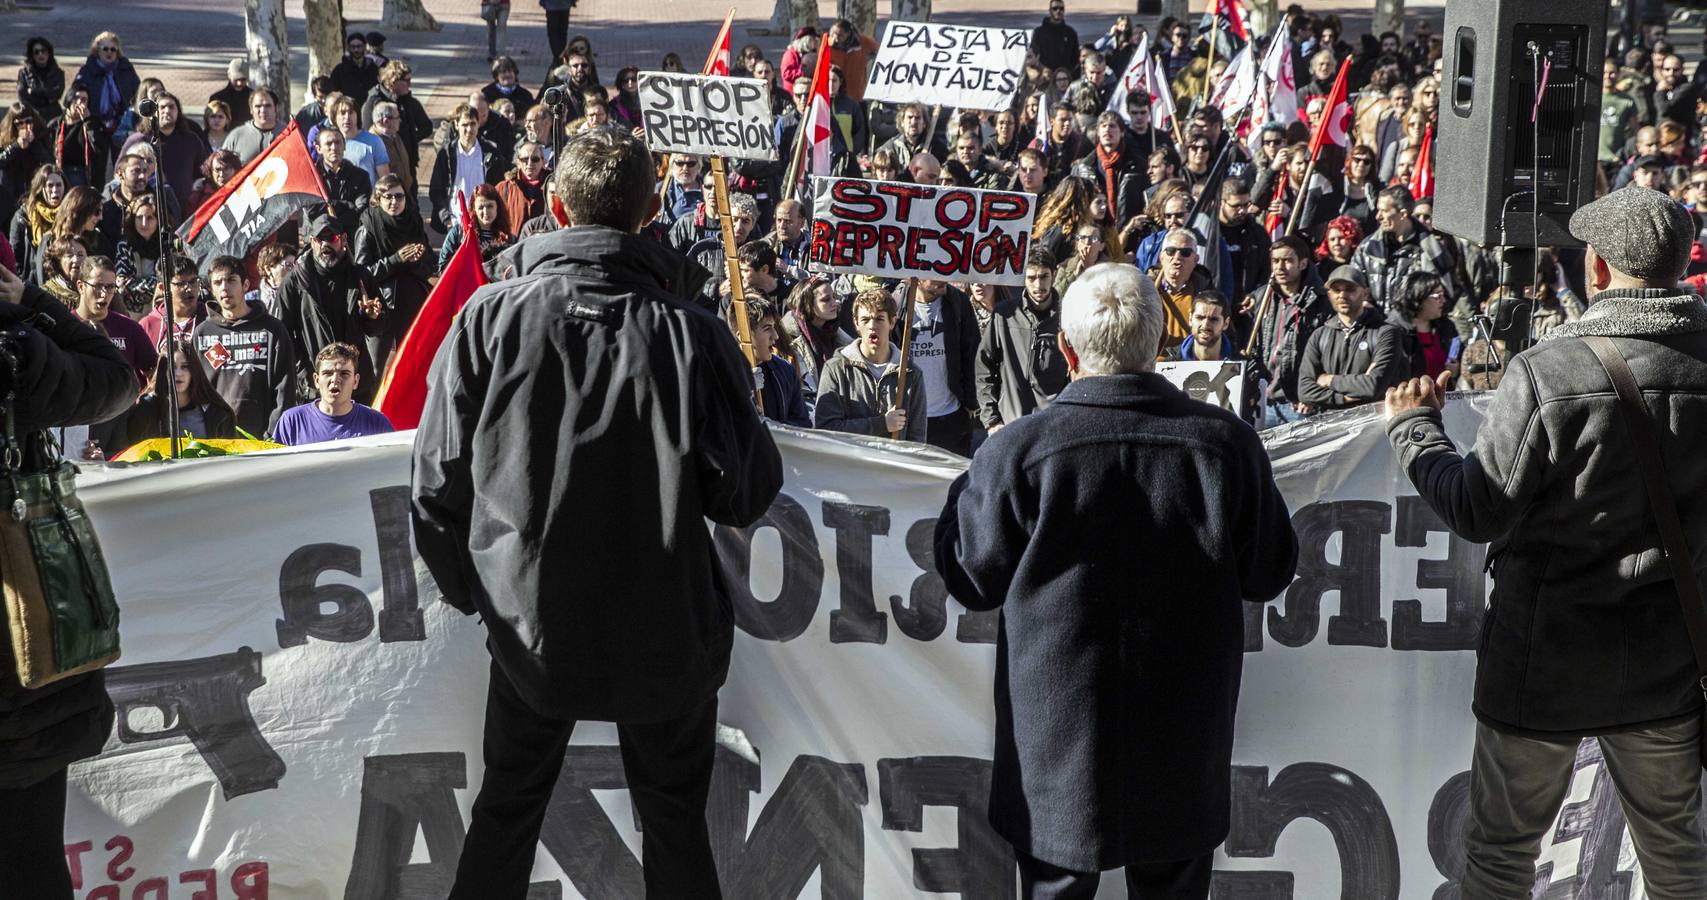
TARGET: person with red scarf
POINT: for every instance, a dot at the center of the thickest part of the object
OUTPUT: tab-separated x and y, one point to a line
1116	169
522	192
79	142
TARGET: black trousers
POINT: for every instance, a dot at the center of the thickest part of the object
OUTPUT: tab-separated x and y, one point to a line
32	842
557	34
1185	879
668	765
952	432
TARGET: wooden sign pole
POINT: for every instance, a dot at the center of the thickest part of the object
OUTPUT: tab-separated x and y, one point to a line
732	264
910	288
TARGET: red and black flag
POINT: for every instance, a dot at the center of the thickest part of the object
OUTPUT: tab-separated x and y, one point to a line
256	201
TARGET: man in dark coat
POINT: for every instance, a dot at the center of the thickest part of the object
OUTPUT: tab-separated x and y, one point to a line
328	298
1116	168
587	553
1116	689
355	75
944	339
1584	635
1054	42
69	374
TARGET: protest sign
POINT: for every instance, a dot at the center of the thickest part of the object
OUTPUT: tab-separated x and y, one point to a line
707	115
914	230
951	65
1217	383
302	717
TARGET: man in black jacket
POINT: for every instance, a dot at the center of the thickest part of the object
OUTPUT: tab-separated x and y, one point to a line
355	75
328	298
1055	42
1584	635
1114	155
1116	691
69	374
1354	357
245	352
348	190
587	553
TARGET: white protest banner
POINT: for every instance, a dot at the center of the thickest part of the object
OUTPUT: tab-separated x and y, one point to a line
951	65
905	230
1216	383
302	717
707	115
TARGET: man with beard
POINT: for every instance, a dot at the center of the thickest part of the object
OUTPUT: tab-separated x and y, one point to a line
1020	368
1055	42
1289	308
355	75
979	172
327	298
133	174
575	77
911	124
347	186
80	143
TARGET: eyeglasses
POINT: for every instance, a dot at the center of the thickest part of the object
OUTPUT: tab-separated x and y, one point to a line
100	287
1178	251
108	49
1171	216
1087	238
530	159
185	285
1054	8
1362	161
1271	142
1198	148
395	195
678	163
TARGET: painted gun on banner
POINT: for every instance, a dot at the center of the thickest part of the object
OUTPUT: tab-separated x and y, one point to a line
206	702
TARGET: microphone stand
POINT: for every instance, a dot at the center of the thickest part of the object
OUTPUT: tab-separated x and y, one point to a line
151	111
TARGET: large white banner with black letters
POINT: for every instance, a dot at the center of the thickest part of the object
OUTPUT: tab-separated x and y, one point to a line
300	718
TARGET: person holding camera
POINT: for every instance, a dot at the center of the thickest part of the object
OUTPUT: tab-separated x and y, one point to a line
66	374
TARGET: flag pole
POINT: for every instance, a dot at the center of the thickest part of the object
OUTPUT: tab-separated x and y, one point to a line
732	267
911	287
1209	61
1303	192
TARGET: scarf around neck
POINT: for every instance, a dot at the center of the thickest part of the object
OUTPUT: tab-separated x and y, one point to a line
1110	164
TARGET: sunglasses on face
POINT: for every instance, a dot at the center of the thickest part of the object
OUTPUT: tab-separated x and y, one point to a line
1178	251
396	195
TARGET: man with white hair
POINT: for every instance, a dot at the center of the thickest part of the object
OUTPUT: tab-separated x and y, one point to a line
1111	682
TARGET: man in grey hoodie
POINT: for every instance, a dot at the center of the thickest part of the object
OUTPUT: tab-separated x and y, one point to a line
858	387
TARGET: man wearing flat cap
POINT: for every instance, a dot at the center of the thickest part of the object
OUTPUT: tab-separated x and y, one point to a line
328	298
1585	634
1355	356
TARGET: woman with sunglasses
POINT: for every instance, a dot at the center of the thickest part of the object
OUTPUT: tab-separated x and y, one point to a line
1361	186
391	244
111	78
625	106
41	82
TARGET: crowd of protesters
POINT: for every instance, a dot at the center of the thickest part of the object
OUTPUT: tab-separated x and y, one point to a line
1287	278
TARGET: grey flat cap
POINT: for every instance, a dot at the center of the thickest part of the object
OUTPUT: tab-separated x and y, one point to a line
1351	273
1638	231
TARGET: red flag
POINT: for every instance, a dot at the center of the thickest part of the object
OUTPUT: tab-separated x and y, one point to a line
717	62
256	201
1422	178
1336	116
403	392
819	118
1274	222
1235	18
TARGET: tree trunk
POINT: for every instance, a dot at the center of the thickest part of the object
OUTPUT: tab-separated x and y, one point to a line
7	6
1265	15
910	10
410	15
862	13
269	46
801	13
324	22
1389	16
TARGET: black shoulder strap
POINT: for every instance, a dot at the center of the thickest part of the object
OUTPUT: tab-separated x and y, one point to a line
1652	464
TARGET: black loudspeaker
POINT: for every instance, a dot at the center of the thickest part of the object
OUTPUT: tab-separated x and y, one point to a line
1487	143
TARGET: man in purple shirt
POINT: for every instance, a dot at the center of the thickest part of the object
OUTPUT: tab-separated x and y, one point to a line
336	415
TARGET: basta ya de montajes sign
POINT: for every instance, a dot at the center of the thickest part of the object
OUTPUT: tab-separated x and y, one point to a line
707	115
920	231
952	65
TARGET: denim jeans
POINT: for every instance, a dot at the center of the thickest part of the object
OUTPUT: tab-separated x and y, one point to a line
1517	785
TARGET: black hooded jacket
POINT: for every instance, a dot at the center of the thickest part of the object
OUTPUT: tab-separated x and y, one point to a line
319	306
70	374
601	419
